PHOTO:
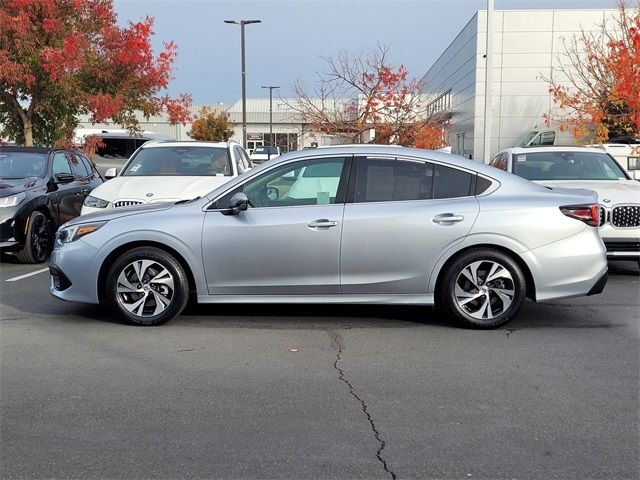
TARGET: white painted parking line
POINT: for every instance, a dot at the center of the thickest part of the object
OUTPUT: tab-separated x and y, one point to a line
15	279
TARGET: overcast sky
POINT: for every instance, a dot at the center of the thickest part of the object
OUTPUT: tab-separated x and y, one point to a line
292	33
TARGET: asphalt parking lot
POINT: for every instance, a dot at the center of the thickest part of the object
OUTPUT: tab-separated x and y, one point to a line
319	391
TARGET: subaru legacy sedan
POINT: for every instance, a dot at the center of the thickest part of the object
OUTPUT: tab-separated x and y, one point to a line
357	224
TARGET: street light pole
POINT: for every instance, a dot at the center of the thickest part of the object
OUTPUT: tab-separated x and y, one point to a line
242	23
271	88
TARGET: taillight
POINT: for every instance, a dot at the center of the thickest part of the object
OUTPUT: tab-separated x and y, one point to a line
589	214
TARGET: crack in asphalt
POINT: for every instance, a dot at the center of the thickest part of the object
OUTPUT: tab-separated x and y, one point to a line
338	345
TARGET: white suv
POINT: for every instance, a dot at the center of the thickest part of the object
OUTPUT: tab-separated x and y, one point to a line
588	168
169	172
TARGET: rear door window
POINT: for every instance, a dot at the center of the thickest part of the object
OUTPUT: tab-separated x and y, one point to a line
387	180
451	182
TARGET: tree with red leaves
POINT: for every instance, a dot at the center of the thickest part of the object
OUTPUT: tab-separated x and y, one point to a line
596	89
362	98
63	58
624	62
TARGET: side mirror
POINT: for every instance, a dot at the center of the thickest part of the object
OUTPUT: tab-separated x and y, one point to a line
64	177
238	203
111	173
273	193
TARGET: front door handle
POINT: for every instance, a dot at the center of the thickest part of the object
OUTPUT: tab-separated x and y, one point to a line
322	223
447	219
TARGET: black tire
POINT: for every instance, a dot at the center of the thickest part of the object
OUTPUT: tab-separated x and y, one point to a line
150	302
37	245
482	304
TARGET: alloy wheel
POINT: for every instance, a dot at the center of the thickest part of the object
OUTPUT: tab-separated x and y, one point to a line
40	238
484	289
145	288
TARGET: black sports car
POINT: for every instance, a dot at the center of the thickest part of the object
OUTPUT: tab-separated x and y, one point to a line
40	189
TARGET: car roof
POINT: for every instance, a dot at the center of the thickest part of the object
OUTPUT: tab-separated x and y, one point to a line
391	151
187	143
27	149
554	148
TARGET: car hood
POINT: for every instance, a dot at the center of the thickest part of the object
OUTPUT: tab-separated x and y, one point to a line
12	186
622	191
157	189
110	214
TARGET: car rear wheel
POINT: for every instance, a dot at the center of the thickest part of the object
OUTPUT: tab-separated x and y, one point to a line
37	246
147	286
483	288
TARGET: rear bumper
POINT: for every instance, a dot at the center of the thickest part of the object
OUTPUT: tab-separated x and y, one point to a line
572	267
599	286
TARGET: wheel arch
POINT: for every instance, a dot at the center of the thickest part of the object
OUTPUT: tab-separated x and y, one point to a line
110	258
530	282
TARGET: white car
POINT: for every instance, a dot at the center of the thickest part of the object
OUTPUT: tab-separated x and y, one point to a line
168	172
262	154
586	168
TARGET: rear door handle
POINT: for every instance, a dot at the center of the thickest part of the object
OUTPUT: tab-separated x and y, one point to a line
323	223
447	219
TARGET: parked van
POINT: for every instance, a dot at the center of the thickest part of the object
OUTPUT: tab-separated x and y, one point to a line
115	146
541	138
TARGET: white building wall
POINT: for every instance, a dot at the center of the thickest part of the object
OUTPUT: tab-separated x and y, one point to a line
527	48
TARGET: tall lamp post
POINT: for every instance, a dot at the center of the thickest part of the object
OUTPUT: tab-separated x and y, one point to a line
242	23
271	88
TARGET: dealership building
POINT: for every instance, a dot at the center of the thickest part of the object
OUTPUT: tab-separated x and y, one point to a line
528	48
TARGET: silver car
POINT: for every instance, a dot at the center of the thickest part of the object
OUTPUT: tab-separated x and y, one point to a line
365	224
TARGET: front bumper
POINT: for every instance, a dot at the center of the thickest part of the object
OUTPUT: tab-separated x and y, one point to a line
11	228
622	249
75	269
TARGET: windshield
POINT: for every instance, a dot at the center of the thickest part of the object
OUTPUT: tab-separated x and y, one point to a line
566	166
266	150
180	161
16	165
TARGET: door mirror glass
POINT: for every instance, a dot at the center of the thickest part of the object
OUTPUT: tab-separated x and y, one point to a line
238	203
111	173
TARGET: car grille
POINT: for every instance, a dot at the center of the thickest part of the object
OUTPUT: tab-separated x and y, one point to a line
127	203
626	216
602	216
622	246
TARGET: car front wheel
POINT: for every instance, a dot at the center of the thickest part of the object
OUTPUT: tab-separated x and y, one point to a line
37	244
483	288
147	286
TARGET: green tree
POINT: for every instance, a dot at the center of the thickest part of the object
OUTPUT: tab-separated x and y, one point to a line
211	126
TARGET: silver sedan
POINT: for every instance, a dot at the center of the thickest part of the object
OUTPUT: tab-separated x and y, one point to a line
351	224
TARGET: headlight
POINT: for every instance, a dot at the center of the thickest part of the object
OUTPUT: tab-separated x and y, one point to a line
95	202
12	200
73	233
